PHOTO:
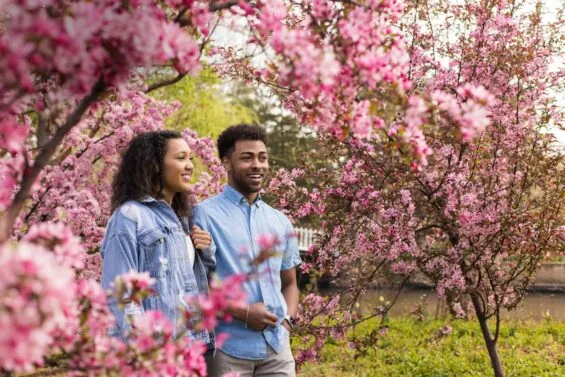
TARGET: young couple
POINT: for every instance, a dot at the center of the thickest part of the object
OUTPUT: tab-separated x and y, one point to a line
153	228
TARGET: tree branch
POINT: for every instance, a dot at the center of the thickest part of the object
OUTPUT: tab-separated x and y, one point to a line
163	83
30	175
428	227
214	6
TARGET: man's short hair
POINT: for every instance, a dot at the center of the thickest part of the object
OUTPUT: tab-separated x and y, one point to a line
228	138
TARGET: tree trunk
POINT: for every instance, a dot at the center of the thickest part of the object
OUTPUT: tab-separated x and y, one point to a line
487	335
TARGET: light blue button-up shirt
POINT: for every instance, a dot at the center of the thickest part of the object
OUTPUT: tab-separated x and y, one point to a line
235	226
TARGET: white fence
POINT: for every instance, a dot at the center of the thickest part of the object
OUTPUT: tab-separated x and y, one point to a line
305	238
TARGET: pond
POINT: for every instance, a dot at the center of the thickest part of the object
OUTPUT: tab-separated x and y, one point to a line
535	305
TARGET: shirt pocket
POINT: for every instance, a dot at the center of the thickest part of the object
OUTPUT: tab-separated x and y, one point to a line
153	244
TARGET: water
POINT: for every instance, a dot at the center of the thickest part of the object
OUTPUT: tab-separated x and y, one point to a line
535	305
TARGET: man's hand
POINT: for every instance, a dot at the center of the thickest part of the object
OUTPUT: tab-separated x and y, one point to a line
259	317
200	238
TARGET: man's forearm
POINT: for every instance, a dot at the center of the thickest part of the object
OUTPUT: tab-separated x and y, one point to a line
291	295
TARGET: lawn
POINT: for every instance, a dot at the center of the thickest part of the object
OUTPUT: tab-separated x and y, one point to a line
414	348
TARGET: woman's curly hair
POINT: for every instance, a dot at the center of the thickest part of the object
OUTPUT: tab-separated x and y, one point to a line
141	172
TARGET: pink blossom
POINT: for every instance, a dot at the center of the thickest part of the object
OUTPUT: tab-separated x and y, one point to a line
267	241
12	135
36	291
417	112
58	238
136	280
474	119
226	294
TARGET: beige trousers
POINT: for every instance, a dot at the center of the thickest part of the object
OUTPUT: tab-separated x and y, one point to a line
275	365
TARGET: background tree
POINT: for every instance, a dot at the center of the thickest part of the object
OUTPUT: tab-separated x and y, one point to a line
72	72
205	104
484	213
290	143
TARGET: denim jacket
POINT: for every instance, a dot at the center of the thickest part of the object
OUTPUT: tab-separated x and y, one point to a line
147	235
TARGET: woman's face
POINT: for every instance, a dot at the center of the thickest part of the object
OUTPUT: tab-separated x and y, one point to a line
178	168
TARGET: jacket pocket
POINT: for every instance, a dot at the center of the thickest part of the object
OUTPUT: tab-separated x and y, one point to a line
151	237
153	244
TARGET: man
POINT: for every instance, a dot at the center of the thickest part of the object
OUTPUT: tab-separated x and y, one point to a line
258	343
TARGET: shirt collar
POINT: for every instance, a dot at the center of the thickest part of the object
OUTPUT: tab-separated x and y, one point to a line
236	197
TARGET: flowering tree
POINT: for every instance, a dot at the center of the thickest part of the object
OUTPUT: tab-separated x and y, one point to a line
72	93
338	64
479	219
72	97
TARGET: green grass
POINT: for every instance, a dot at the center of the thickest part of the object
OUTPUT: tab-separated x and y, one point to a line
412	348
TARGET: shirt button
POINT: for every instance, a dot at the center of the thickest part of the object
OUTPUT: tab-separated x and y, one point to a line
262	284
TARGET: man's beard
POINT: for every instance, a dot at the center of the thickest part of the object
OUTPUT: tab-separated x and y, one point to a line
245	188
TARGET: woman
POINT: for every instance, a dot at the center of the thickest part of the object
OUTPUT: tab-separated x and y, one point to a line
148	230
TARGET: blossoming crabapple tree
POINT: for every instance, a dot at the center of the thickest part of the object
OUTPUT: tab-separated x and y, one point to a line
72	97
478	220
72	93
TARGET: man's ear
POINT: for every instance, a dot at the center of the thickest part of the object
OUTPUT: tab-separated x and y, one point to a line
227	164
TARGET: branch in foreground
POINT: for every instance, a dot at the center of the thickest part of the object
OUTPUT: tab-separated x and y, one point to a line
30	175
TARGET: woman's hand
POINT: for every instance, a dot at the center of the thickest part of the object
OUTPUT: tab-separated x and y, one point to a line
200	238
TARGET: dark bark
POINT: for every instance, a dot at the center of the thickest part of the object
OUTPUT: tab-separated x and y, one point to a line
43	158
487	335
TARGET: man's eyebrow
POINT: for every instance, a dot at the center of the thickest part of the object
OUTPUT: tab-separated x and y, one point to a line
249	153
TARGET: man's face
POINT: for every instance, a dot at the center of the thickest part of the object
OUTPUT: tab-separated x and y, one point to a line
248	166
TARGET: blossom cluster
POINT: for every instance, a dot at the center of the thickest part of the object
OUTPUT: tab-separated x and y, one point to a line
223	295
210	182
46	309
322	309
36	292
60	240
345	69
75	44
12	139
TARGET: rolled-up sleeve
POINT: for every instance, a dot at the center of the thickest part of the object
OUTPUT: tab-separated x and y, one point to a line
208	255
291	257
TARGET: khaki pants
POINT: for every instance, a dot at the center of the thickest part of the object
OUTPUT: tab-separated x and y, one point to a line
276	364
